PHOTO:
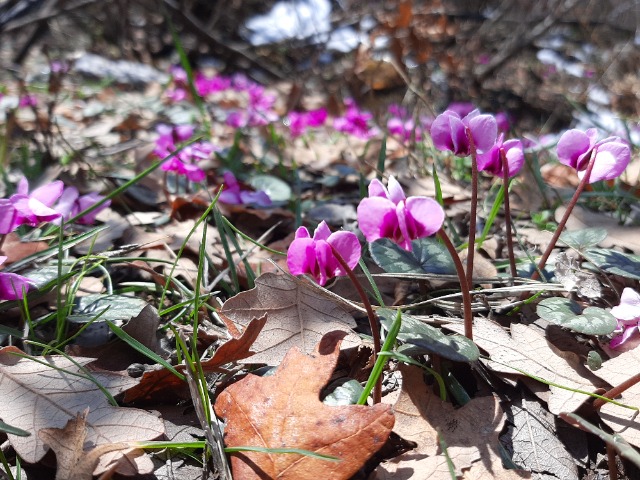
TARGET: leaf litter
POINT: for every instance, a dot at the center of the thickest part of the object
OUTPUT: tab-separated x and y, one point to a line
312	339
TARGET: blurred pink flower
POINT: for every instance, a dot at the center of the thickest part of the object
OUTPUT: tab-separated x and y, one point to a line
183	162
13	285
575	148
29	208
355	122
71	203
491	161
233	193
389	214
400	124
299	122
628	316
449	132
314	256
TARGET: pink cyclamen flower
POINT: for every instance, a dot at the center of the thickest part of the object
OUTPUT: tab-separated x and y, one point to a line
449	132
233	194
12	285
29	208
184	162
299	122
575	148
314	256
491	161
389	214
628	316
400	124
71	203
355	122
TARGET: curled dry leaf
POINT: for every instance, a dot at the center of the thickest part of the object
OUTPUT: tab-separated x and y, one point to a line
470	432
526	350
298	316
74	462
285	411
156	383
47	395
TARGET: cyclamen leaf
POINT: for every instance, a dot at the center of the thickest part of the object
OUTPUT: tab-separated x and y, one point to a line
583	239
568	314
431	340
614	262
427	256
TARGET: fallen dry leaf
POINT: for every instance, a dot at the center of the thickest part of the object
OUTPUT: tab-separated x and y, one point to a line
298	316
470	432
618	235
622	420
156	383
284	411
74	462
47	395
527	350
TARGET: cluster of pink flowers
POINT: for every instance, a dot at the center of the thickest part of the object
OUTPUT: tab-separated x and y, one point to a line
259	104
49	203
356	122
628	315
185	161
300	122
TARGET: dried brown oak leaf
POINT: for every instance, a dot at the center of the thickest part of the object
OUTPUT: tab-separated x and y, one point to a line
285	411
470	432
529	351
74	462
48	394
156	384
623	420
299	315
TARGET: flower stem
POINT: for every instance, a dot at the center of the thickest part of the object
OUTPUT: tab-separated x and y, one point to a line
583	183
464	286
473	211
507	212
617	390
373	318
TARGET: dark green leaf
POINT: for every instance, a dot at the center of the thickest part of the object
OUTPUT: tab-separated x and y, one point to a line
6	428
568	314
346	394
583	239
429	339
120	308
427	256
618	263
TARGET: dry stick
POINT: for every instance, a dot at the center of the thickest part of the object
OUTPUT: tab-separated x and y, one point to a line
464	286
373	319
507	212
611	462
474	207
615	391
565	217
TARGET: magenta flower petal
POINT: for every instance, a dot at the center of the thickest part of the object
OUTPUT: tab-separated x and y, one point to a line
396	194
8	217
322	231
619	340
377	218
484	130
348	246
612	158
427	214
572	145
377	189
13	285
301	255
629	308
448	133
302	232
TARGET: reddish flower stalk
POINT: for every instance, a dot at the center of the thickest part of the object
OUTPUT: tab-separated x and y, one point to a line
617	390
471	249
583	183
507	212
464	286
373	318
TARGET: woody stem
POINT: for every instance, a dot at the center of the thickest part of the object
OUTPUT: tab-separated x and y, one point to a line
373	319
464	286
615	391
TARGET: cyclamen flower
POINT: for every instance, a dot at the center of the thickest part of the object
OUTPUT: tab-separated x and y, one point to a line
299	122
71	203
449	132
612	154
491	161
628	316
12	285
183	162
389	214
355	122
29	208
314	256
402	125
233	194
